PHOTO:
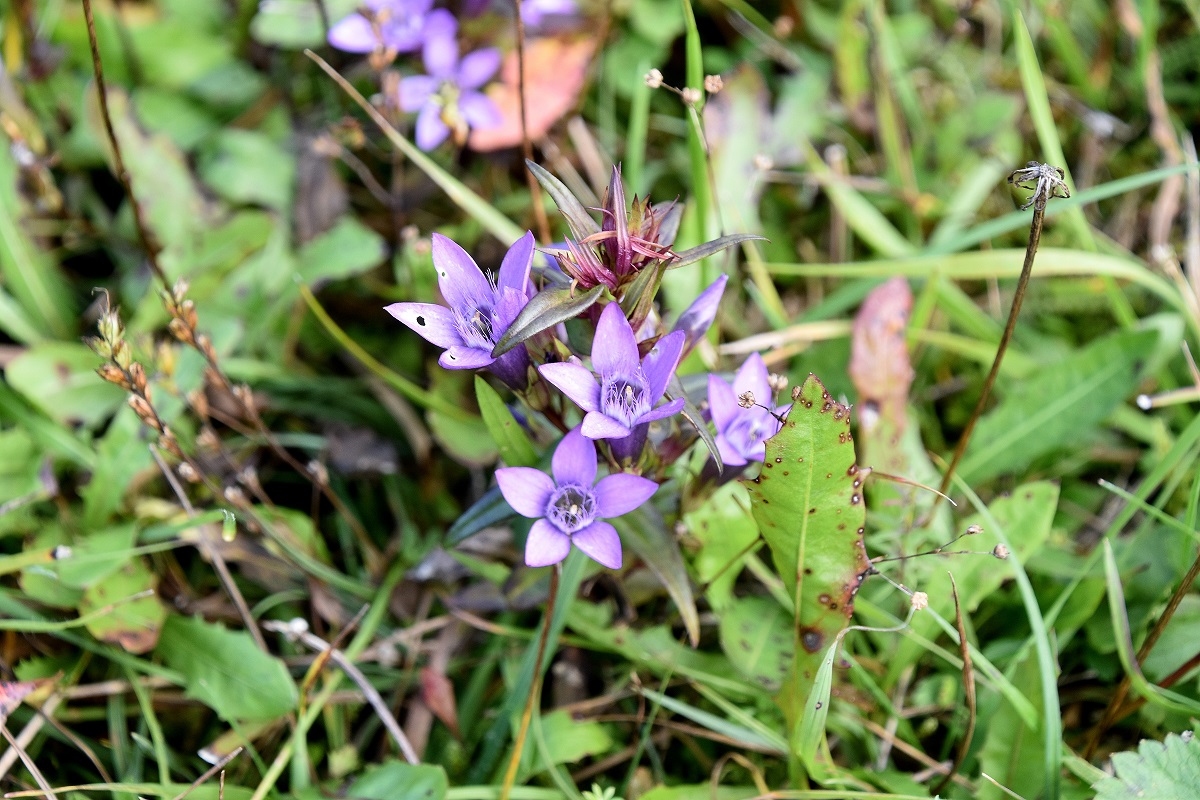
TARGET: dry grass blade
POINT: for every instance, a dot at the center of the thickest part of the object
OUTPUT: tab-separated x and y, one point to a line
27	761
213	770
968	673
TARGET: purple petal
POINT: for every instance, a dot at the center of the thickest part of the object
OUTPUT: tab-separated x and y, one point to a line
722	404
546	544
597	426
462	284
463	357
574	460
526	489
478	67
354	34
614	350
514	269
513	368
663	411
575	382
414	92
752	377
698	317
730	456
600	541
660	363
479	111
621	493
431	130
433	323
441	44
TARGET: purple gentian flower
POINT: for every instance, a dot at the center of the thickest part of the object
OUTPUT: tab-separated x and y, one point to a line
480	309
448	99
621	405
742	432
535	11
398	25
568	507
698	317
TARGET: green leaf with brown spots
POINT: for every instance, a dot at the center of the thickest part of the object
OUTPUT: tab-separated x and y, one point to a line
809	508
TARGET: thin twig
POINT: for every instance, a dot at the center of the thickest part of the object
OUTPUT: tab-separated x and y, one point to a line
139	220
213	770
535	690
1046	188
535	188
968	671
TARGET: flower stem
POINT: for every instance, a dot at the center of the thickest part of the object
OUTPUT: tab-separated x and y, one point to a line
1035	236
535	690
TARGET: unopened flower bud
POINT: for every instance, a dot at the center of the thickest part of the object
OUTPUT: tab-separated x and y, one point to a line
654	79
746	399
920	601
713	84
777	382
690	95
1000	551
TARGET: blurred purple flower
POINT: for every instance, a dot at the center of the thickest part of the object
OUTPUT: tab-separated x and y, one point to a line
480	309
623	402
741	432
698	317
447	98
398	25
569	507
535	11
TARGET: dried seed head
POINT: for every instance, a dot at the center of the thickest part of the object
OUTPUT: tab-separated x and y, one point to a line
169	443
137	376
972	530
1000	552
746	399
713	84
690	95
796	391
777	382
187	472
654	79
920	601
144	411
207	439
114	374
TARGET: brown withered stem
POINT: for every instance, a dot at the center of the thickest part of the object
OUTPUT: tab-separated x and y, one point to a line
1046	182
148	242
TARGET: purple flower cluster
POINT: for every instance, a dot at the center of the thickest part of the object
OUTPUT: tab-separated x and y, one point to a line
610	396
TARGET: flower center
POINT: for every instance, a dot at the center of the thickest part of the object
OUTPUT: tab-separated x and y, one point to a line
478	329
571	507
625	399
749	429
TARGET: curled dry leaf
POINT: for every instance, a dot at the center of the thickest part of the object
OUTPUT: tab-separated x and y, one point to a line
879	364
438	694
555	70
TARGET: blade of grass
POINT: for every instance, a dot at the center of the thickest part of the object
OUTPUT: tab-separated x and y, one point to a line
479	209
635	138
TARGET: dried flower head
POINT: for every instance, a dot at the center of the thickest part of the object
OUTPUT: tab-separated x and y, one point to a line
973	530
746	400
1045	180
713	84
777	382
920	601
690	95
654	79
1000	552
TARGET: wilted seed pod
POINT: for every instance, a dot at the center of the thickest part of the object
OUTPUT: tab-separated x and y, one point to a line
207	439
114	374
206	347
243	393
187	472
145	412
188	314
199	402
169	443
165	358
180	331
180	290
137	375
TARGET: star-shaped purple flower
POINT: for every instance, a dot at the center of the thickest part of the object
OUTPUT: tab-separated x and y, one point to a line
447	99
570	506
480	309
623	401
742	432
395	24
698	317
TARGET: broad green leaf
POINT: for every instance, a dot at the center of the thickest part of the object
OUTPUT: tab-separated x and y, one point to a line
1166	770
295	24
467	441
348	248
249	167
96	556
701	791
545	309
1011	750
756	635
132	624
60	379
646	534
397	780
578	219
226	671
515	447
569	740
726	530
1057	407
809	507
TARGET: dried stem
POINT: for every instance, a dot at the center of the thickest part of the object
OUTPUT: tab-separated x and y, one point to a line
535	691
968	670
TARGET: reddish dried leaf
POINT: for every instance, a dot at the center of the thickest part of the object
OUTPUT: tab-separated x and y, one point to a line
555	70
438	694
879	364
11	695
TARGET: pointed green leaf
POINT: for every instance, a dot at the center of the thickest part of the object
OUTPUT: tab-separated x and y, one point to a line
545	309
693	415
646	534
515	447
703	251
809	507
580	221
487	511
